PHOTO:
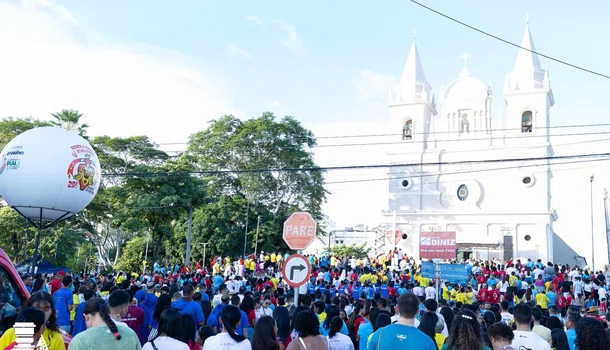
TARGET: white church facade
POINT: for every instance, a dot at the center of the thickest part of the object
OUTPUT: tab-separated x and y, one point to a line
460	166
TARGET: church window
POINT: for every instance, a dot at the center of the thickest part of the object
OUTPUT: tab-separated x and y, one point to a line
462	192
407	130
406	184
464	125
526	121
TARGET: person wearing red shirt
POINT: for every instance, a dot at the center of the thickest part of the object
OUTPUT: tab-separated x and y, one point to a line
481	280
56	282
561	302
494	296
354	276
483	294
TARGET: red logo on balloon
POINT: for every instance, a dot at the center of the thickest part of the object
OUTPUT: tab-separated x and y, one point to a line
81	173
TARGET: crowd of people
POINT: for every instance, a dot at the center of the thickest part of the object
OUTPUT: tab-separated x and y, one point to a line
349	303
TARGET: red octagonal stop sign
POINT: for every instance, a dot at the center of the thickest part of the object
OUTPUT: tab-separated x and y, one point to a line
299	231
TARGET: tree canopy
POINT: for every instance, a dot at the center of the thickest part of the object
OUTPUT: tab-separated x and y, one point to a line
233	174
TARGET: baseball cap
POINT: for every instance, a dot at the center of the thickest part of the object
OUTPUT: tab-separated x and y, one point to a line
61	273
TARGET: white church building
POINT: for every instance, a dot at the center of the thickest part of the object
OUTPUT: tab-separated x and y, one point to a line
454	171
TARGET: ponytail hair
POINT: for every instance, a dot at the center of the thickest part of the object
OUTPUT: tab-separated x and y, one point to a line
230	317
336	325
95	306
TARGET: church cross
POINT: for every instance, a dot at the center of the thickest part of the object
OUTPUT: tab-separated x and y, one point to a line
527	18
465	57
414	31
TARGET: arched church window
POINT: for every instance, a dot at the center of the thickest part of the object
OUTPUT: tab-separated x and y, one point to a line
526	121
464	125
407	130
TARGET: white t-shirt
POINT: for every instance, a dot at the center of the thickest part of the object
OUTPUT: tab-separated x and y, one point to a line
529	340
166	343
340	342
223	341
430	293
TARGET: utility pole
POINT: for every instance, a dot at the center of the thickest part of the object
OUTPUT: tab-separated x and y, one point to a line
187	260
204	245
246	229
592	229
146	253
258	223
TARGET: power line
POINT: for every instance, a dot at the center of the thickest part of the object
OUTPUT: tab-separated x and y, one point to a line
525	136
355	167
423	133
468	172
427	175
511	43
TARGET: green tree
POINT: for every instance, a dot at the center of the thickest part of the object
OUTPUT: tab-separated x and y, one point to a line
11	127
132	256
70	119
155	197
242	148
358	252
262	143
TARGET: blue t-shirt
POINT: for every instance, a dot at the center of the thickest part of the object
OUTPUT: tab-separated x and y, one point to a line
61	299
364	331
571	333
552	297
79	320
398	336
384	291
192	308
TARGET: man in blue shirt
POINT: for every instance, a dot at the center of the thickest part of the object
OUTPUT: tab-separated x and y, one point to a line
186	305
63	302
571	319
403	334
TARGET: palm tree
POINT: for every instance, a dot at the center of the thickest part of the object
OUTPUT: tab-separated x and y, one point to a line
69	119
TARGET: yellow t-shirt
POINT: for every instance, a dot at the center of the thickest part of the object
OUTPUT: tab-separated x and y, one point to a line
542	300
440	340
53	339
252	265
461	298
76	301
272	257
469	298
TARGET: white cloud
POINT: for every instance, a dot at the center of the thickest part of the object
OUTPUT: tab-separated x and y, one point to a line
255	19
293	40
373	86
50	61
236	51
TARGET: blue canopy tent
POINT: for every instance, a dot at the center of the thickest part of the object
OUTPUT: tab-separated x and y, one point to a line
48	268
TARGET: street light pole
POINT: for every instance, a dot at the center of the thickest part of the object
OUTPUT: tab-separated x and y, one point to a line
258	223
246	230
592	229
204	245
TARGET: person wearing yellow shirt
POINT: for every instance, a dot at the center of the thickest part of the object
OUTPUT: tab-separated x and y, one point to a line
542	300
453	293
365	278
51	334
275	282
273	258
333	261
446	292
76	301
469	296
374	279
460	297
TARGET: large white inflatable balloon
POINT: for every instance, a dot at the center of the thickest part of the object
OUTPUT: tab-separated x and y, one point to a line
49	173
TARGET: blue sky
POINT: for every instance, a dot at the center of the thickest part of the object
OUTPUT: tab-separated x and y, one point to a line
341	38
